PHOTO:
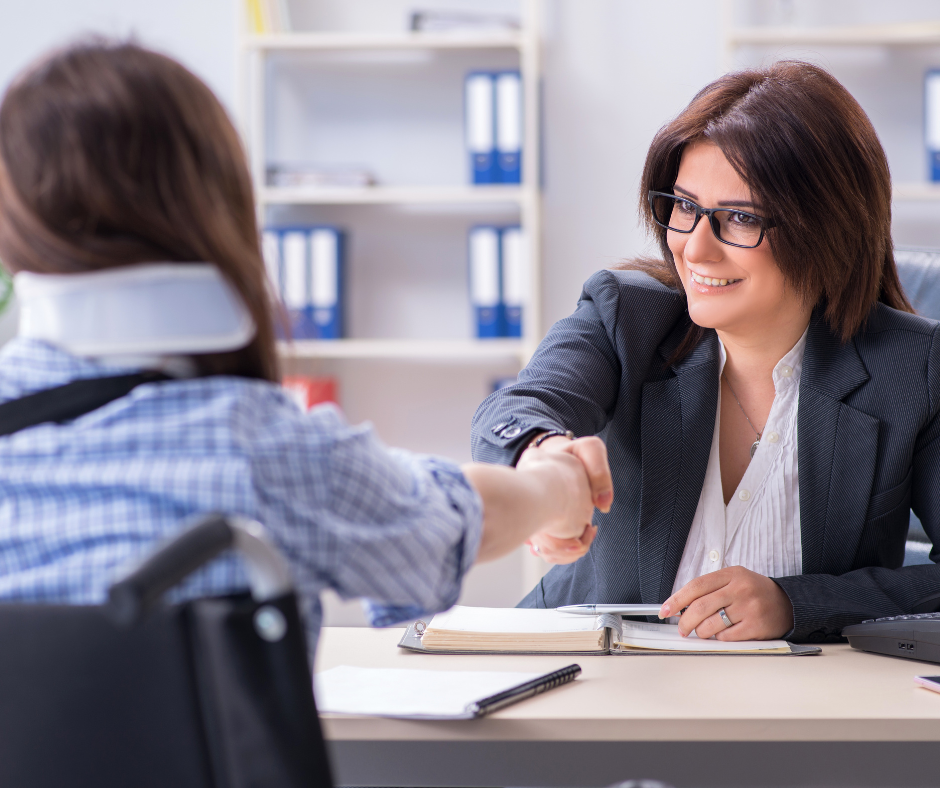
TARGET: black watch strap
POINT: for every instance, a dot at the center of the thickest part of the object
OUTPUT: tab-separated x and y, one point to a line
550	434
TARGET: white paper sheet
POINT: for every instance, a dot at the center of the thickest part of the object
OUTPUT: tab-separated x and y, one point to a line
419	694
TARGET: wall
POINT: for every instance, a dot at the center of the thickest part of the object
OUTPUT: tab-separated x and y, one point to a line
603	105
200	33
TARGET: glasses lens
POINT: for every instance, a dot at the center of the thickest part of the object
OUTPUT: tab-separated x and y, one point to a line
674	212
737	227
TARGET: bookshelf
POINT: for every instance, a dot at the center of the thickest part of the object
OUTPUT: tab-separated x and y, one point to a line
269	60
921	192
410	364
360	41
391	195
925	33
903	49
456	350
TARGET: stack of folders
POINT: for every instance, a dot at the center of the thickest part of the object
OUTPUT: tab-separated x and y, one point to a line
305	266
932	125
493	120
446	21
498	268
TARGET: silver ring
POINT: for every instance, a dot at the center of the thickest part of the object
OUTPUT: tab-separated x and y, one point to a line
535	548
724	617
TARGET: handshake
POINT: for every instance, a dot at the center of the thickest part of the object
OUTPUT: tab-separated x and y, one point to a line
548	501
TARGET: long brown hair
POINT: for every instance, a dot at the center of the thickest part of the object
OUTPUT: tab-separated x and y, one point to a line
813	161
112	155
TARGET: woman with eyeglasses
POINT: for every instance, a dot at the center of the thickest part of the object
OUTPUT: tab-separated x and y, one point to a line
768	399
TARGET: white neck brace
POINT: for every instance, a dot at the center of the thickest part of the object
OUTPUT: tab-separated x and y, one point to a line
152	309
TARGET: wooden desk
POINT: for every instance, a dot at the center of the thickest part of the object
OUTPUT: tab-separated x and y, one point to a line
843	718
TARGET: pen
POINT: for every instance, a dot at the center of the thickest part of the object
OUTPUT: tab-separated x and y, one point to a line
523	691
623	610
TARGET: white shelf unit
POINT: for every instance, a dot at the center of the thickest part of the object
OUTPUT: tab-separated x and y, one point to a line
346	40
454	350
420	384
891	35
921	192
525	199
903	34
391	195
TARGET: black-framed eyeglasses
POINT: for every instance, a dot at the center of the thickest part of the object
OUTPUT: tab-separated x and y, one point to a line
730	225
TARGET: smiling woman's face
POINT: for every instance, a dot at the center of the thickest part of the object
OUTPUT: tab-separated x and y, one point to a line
755	297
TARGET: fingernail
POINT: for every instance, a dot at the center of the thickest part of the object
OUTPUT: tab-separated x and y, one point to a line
664	612
604	499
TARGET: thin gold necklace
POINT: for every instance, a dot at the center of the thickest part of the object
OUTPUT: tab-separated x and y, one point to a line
756	443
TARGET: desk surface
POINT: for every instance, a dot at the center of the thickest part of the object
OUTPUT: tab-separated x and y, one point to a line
841	695
843	718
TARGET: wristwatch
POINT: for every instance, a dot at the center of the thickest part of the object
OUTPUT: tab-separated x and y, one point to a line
540	439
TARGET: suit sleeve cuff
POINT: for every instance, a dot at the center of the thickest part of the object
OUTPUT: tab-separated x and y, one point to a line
812	622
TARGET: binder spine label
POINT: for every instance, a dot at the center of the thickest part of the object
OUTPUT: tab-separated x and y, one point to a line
479	119
932	123
485	281
325	283
515	275
509	126
296	286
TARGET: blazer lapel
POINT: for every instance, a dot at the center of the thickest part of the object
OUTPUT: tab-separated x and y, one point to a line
836	452
677	423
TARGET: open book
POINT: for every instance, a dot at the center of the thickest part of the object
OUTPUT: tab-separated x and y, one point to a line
481	630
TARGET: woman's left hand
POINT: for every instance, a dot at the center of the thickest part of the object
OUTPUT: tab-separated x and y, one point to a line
757	607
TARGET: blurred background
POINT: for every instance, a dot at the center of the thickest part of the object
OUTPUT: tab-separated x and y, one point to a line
436	178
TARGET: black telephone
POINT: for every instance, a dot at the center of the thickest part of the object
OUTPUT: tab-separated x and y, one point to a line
913	636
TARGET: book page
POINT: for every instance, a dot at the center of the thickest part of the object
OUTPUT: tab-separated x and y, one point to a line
513	630
511	620
414	694
666	637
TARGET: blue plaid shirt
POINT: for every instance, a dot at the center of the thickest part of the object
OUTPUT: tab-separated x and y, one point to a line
82	500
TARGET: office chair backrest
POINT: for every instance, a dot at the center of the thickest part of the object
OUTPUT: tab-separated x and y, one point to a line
212	693
919	270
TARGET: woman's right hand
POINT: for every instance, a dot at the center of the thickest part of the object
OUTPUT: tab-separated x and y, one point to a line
592	452
552	544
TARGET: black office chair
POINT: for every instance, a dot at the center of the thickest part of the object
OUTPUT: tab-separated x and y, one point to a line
210	693
919	271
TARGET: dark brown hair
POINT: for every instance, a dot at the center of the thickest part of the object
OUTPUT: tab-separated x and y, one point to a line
112	155
814	164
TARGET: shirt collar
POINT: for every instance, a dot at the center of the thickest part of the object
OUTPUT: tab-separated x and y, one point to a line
786	371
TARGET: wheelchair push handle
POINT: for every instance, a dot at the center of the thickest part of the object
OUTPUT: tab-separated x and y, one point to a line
133	596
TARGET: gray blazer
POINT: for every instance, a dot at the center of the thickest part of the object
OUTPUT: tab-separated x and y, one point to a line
868	450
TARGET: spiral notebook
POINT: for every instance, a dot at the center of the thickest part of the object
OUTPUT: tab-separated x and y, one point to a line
480	630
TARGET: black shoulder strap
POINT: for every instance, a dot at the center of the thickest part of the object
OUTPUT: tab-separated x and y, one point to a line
64	403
